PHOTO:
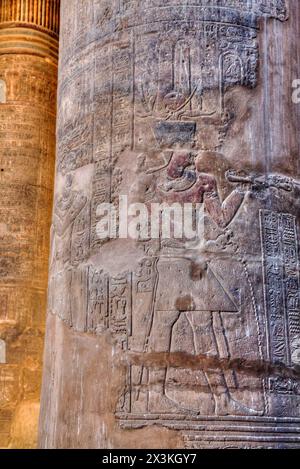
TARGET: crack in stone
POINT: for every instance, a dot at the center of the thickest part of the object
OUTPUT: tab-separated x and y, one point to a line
204	363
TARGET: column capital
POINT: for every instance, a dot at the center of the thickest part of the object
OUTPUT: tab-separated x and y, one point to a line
30	27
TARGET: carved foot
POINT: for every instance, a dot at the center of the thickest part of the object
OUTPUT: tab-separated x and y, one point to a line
225	405
161	404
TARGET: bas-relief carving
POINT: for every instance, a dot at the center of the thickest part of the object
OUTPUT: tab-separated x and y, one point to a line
165	89
21	84
281	270
9	387
178	78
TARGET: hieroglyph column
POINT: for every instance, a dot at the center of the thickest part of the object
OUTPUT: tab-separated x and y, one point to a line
167	341
28	81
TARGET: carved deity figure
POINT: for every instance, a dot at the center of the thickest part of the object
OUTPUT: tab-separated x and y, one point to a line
68	241
67	208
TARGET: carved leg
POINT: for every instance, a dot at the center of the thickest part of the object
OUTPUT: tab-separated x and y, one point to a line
160	342
205	344
226	383
210	340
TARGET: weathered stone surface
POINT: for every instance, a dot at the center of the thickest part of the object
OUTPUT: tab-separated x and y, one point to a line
28	82
157	343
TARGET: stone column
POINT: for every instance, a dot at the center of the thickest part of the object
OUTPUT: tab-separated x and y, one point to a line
28	82
161	341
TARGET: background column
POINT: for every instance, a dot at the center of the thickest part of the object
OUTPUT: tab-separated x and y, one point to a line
28	80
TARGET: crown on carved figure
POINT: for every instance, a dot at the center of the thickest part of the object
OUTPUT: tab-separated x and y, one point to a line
174	132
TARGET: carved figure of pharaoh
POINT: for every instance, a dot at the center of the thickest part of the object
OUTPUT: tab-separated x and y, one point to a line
195	311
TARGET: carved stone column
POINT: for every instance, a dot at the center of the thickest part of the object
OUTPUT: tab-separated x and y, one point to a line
28	82
163	342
